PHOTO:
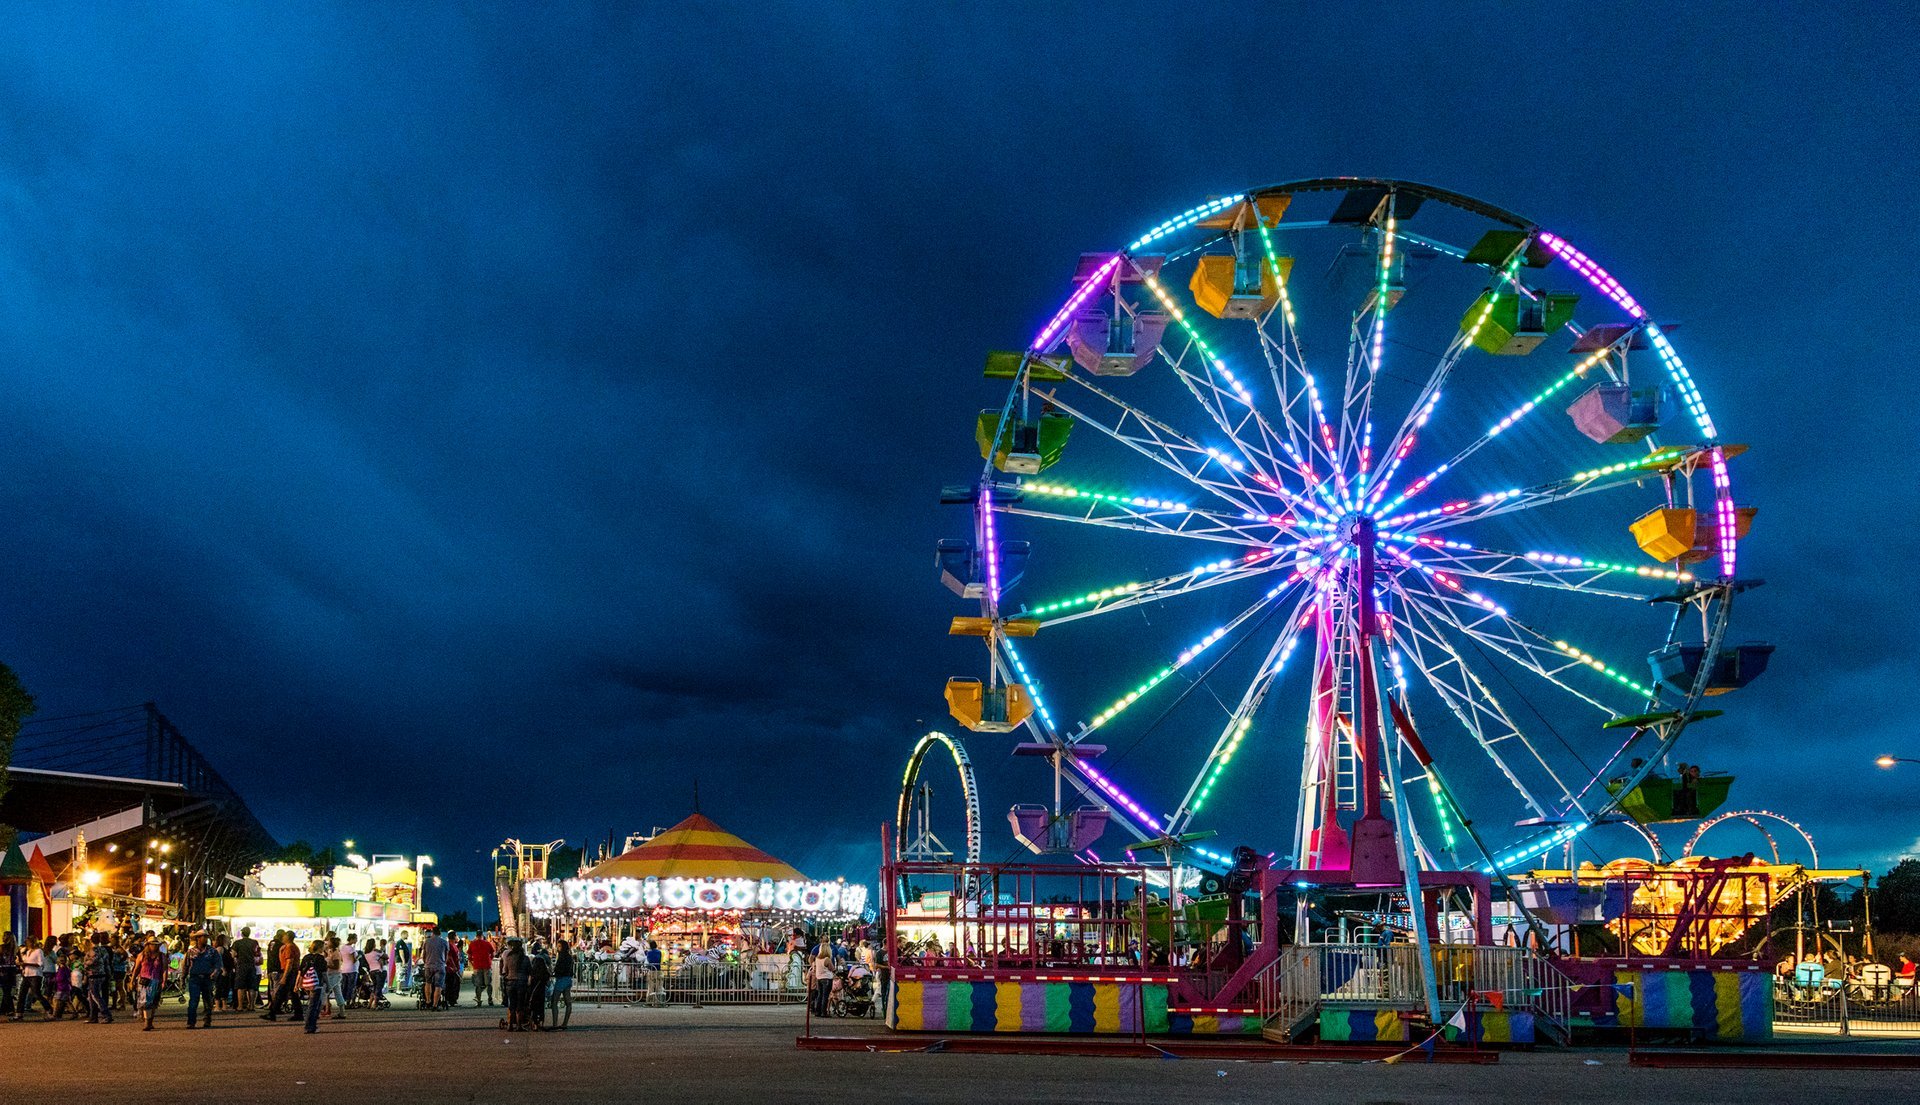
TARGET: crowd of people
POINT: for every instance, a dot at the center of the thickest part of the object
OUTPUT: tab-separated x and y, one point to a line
104	976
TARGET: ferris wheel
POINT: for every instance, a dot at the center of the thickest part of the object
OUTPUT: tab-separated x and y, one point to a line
1423	499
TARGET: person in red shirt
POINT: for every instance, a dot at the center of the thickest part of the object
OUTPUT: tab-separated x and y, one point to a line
480	965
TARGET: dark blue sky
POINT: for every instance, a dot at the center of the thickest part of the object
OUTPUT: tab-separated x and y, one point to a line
535	410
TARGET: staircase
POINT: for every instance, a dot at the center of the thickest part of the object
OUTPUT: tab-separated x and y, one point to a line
1288	993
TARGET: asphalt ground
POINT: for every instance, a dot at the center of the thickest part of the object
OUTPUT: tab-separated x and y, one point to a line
741	1056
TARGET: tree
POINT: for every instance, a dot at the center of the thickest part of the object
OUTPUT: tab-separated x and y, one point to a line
457	921
1896	898
16	705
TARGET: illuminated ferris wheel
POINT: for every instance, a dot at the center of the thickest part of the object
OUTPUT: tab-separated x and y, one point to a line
1421	491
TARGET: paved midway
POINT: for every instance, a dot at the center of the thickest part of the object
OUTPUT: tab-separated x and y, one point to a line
746	1055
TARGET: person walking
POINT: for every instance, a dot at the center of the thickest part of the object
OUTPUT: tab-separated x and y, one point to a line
514	971
562	986
33	975
822	978
288	992
450	991
99	976
539	978
149	975
433	968
333	974
311	976
349	971
403	962
9	974
246	971
202	970
376	954
480	966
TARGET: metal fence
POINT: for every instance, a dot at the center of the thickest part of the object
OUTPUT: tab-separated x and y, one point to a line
763	982
1308	976
1848	1009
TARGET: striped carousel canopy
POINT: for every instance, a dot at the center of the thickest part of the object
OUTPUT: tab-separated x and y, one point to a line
695	849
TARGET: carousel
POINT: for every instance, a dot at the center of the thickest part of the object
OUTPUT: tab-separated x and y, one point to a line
693	889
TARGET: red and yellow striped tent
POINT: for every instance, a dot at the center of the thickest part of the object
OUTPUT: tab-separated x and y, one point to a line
695	849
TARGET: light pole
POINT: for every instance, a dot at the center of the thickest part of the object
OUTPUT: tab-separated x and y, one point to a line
482	899
1889	761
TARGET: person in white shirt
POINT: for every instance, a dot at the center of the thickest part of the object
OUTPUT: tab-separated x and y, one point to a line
33	963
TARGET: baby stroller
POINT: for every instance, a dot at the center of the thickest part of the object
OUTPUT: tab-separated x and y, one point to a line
852	994
368	996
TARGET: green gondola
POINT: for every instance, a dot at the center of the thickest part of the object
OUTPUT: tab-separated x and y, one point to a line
1653	801
1027	445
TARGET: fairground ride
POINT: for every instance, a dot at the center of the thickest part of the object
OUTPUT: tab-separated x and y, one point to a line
1456	518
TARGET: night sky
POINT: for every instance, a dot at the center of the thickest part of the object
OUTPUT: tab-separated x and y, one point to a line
502	417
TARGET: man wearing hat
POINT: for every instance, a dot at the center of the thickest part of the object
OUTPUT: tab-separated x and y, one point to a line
202	963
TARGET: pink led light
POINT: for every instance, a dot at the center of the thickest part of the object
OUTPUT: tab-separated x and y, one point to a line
1081	295
1118	795
993	549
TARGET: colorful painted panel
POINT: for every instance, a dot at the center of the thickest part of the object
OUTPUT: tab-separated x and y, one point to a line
1734	1006
1014	1005
1493	1026
1363	1026
1213	1024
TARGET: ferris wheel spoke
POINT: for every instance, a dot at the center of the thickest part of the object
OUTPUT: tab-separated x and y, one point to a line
1478	710
1573	574
1489	624
1510	419
1235	424
1270	532
1241	719
1516	499
1231	406
1186	656
1107	600
1164	445
1401	445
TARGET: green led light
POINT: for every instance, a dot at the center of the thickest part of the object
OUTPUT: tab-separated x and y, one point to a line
1062	491
1597	665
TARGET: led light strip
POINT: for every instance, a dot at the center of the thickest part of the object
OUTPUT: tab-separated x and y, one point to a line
1081	294
1600	666
1186	219
1122	589
1027	681
1504	424
1536	846
1426	410
1213	360
1555	559
1651	460
1062	491
1221	759
1682	379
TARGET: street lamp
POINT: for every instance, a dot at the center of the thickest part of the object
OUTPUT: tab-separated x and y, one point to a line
1889	761
420	865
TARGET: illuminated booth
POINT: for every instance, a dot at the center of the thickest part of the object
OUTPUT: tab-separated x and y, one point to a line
374	901
692	888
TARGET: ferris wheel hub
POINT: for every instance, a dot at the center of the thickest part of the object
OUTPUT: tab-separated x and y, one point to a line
1356	528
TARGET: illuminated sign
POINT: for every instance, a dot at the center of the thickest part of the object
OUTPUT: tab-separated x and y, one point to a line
284	880
554	897
151	889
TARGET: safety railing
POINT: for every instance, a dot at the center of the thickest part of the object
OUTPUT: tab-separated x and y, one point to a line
1305	977
628	982
1849	1009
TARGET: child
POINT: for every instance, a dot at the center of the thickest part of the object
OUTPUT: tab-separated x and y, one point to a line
63	990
